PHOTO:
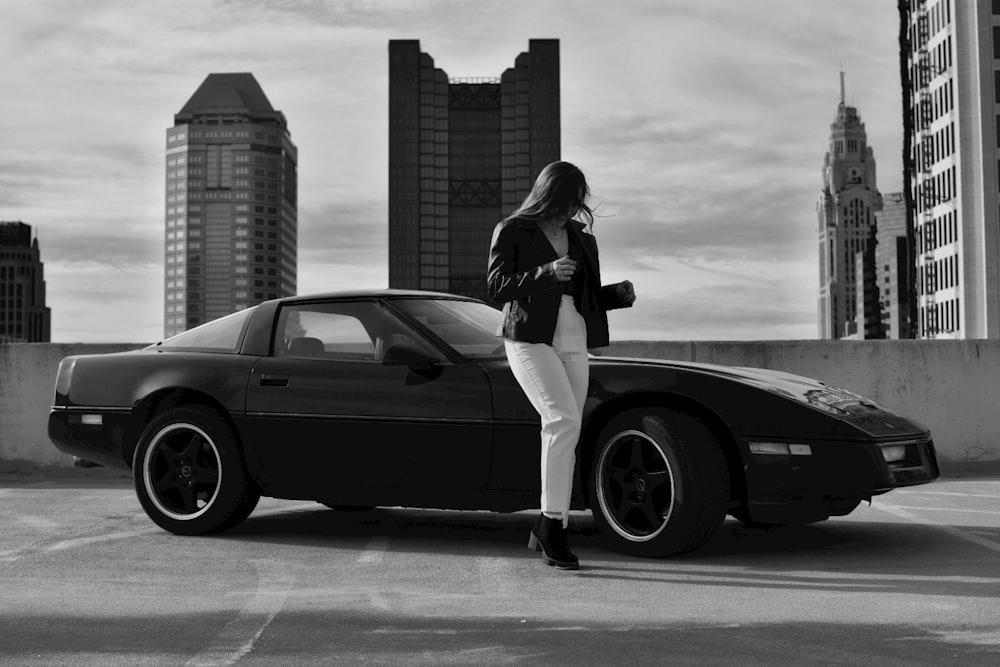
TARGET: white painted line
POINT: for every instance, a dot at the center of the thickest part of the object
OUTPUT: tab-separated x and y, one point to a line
238	636
944	493
944	509
993	545
12	555
82	541
375	549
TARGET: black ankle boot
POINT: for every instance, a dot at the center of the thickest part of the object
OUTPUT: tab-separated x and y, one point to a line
549	537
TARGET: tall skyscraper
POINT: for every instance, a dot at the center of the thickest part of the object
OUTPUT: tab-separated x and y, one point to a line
463	153
846	211
24	317
231	206
953	87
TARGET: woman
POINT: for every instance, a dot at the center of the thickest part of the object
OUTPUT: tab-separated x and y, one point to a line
543	267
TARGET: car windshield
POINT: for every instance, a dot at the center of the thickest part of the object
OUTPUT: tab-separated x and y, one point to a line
468	326
222	335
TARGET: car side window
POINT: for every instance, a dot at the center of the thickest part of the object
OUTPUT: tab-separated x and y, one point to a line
325	331
341	331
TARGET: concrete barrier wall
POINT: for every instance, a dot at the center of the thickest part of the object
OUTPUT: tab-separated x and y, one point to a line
952	387
27	387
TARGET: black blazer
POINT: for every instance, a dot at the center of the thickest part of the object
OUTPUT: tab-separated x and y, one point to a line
520	276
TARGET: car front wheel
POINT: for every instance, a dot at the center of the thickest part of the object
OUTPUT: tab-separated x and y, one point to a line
659	482
189	473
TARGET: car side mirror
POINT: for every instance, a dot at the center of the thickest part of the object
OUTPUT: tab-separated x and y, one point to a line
407	355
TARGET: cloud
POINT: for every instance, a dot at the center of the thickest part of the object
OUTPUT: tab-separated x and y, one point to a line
726	311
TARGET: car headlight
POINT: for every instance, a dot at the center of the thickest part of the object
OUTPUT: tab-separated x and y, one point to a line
780	448
893	453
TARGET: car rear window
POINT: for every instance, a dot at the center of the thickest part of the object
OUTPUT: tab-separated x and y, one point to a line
221	335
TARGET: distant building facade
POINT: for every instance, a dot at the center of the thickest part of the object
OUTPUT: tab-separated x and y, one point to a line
954	92
463	153
846	213
231	204
867	321
24	317
890	256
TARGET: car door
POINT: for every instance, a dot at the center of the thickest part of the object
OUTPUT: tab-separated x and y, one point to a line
329	419
516	464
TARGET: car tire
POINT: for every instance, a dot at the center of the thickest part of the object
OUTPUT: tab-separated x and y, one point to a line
189	473
658	483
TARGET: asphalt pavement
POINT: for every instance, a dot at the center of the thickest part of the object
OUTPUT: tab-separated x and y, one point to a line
87	579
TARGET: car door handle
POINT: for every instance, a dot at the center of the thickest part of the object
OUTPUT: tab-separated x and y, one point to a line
269	380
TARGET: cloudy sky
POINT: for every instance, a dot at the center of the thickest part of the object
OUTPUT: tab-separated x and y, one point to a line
701	125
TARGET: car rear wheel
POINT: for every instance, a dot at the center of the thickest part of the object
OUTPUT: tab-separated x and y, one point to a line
659	482
189	473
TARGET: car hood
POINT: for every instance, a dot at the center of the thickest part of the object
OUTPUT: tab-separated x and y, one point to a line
859	410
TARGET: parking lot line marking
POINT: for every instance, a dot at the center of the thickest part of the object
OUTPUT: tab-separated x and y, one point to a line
375	549
944	493
81	541
238	636
12	555
951	530
944	509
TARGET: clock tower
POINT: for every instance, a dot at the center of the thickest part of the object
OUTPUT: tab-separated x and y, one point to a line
846	211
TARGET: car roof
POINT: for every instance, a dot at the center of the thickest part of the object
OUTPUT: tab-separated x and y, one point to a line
373	294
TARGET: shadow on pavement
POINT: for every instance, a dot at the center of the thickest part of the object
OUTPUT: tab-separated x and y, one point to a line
836	555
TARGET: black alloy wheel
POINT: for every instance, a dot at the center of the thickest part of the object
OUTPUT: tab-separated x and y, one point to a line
189	473
659	483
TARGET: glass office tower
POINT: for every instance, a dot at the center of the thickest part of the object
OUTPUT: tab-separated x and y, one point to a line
231	212
463	153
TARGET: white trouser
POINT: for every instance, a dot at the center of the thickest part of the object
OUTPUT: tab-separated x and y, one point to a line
555	378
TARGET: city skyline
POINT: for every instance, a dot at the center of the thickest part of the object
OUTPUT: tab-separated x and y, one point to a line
701	126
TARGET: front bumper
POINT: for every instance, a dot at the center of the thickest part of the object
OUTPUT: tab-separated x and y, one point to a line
93	434
832	477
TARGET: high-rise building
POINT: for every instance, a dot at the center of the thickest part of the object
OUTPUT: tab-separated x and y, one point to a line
231	209
463	153
952	84
846	211
24	317
867	322
891	255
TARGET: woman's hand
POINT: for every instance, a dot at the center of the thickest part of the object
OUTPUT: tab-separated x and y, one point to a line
626	293
564	268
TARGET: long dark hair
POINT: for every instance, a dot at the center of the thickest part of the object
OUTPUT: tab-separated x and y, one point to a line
560	187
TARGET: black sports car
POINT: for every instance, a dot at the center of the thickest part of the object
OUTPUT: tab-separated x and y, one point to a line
405	398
